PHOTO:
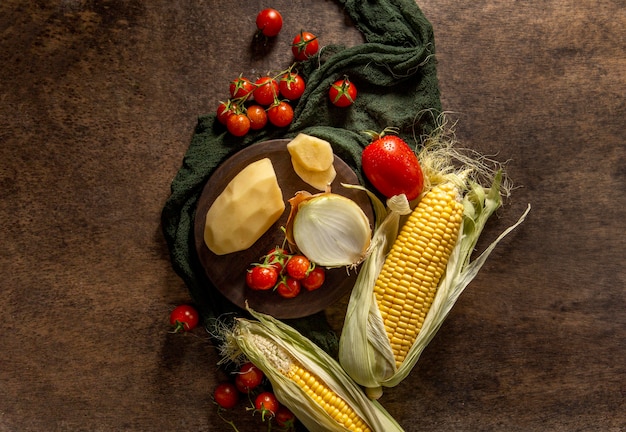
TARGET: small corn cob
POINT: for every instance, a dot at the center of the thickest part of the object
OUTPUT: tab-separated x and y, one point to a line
312	385
407	283
306	379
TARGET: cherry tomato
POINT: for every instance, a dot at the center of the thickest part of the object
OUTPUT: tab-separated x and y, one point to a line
248	378
280	114
184	317
267	403
285	418
224	110
292	85
277	258
240	87
314	279
238	124
304	45
288	287
226	395
266	90
257	116
342	93
261	278
298	266
269	22
392	167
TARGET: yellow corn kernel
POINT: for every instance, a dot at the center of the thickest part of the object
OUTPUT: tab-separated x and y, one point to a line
415	265
335	406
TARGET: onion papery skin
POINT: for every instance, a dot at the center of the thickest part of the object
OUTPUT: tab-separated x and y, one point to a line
331	230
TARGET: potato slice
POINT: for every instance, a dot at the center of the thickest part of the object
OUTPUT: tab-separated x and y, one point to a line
311	153
249	205
318	179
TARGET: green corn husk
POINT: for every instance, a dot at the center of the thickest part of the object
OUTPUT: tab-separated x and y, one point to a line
364	348
271	345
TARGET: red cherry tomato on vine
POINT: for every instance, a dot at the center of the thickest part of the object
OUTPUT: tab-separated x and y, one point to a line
292	86
257	116
342	93
267	403
280	114
392	167
298	267
248	378
240	87
304	45
238	124
277	258
184	317
285	418
288	287
224	110
261	278
266	90
269	22
226	395
315	279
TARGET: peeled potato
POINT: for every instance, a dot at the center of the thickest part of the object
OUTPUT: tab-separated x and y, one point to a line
249	205
318	179
311	153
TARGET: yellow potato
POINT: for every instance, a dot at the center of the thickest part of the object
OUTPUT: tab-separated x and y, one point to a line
318	179
251	202
311	153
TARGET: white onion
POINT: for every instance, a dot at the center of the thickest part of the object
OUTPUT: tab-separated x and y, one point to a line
331	230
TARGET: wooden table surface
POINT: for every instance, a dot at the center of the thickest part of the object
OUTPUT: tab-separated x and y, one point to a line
98	101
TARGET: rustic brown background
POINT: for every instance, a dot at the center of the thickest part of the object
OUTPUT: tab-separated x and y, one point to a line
98	101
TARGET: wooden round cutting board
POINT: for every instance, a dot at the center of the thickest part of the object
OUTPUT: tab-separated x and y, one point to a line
227	272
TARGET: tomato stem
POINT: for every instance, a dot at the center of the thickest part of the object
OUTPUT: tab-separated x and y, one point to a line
178	327
377	135
230	422
342	90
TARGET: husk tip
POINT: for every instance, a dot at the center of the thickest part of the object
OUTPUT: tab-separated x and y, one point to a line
374	393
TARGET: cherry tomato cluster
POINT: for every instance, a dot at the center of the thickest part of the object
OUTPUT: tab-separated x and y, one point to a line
250	381
268	99
285	273
184	318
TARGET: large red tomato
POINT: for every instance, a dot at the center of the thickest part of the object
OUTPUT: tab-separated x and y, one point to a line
392	167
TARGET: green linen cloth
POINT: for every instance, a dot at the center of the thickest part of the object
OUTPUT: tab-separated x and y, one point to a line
395	73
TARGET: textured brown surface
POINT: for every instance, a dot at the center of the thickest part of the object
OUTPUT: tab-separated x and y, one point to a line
98	101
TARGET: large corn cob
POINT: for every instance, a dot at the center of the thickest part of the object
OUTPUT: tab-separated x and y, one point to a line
410	281
307	380
407	283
